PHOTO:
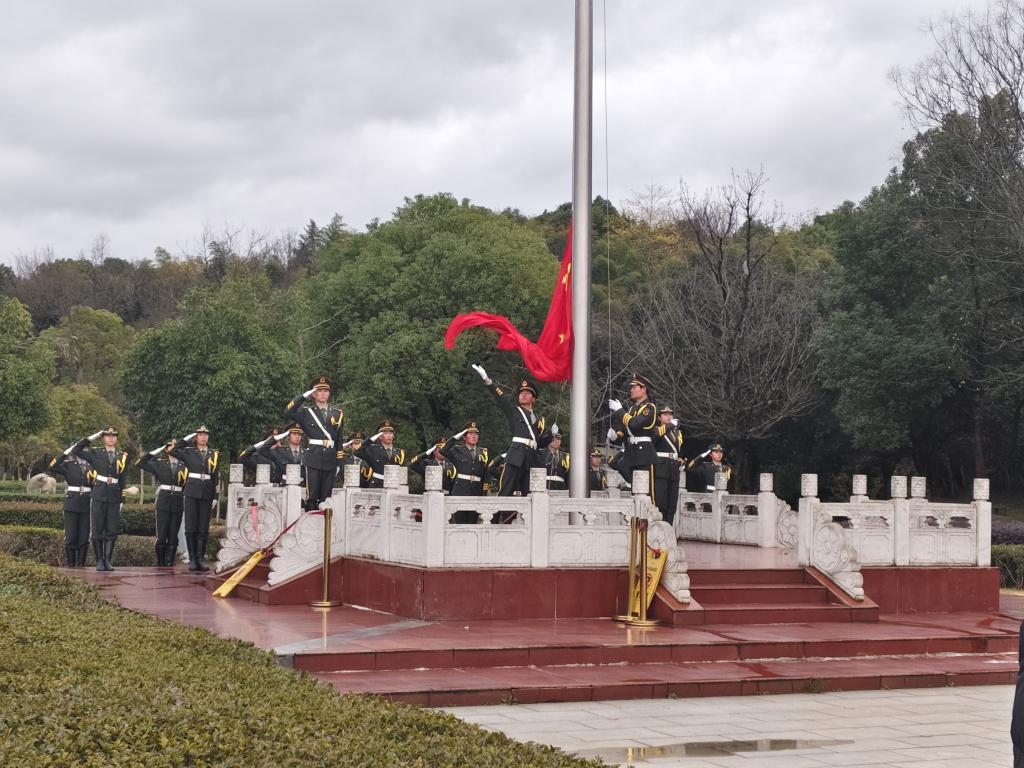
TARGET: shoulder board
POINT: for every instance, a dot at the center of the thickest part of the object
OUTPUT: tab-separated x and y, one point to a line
291	404
53	462
91	476
499	391
401	456
483	455
540	424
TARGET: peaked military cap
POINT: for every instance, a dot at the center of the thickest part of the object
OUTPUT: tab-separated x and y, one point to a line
527	385
639	380
386	426
716	446
202	430
110	431
596	452
441	440
666	409
321	382
295	428
357	435
472	427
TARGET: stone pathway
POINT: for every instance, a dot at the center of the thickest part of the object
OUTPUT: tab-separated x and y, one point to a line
927	728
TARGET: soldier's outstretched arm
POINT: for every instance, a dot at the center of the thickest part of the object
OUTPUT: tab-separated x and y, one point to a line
291	411
56	466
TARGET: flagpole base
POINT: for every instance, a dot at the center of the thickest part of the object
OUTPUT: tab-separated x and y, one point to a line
325	603
636	621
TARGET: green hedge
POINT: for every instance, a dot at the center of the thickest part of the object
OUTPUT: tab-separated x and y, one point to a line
46	545
87	683
1009	559
136	519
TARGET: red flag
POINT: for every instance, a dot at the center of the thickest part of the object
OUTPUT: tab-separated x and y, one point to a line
550	358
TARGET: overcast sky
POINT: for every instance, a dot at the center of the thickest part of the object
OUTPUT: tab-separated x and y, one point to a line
147	121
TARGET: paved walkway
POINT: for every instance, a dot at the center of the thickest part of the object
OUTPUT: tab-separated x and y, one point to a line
927	728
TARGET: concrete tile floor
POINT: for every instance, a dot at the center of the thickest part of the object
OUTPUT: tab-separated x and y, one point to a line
925	728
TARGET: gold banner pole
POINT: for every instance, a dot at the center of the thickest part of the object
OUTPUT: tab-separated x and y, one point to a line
639	618
326	602
633	529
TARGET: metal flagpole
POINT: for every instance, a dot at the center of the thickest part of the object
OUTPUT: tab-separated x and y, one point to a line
579	416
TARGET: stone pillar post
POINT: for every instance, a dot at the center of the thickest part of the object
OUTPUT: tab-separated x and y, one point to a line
347	493
918	487
350	475
767	511
807	511
262	474
984	525
236	497
860	489
434	516
539	520
901	520
293	495
718	504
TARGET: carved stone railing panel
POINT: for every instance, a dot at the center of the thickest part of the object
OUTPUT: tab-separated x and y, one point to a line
302	548
566	511
835	556
942	533
870	527
242	538
408	534
675	577
787	527
365	521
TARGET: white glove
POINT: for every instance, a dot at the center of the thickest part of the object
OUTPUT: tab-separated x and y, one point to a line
157	451
376	437
347	443
280	436
614	405
674	422
704	454
70	448
308	392
95	435
431	449
188	437
612	434
554	429
460	435
481	372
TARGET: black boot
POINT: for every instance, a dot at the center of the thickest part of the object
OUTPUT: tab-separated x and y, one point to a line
193	550
108	553
201	552
71	555
97	550
83	551
171	551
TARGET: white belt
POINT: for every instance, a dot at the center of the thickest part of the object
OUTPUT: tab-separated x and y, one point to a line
636	440
377	475
105	479
711	487
176	488
555	479
324	443
525	441
472	478
197	477
666	454
79	489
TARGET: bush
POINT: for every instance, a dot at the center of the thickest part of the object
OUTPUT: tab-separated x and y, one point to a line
1009	559
136	520
87	683
46	545
1007	531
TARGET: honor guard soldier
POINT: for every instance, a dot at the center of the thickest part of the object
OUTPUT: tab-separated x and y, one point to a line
259	453
707	465
200	490
322	423
668	444
432	458
555	463
280	450
470	462
378	451
634	429
528	434
107	494
598	477
78	476
170	476
347	456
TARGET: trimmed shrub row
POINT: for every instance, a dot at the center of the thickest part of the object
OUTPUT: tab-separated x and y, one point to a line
1007	531
46	545
87	683
1009	559
136	520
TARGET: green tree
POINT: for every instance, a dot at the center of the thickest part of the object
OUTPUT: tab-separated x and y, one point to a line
229	363
380	305
26	372
77	410
89	346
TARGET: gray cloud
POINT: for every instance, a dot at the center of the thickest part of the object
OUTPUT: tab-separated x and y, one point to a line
147	121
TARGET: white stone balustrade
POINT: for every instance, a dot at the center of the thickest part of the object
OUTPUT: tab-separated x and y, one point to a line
761	520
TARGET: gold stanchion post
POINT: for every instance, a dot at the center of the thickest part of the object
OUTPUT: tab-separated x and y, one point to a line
633	530
642	620
326	602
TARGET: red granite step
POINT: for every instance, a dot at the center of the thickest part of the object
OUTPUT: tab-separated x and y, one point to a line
716	595
527	685
703	576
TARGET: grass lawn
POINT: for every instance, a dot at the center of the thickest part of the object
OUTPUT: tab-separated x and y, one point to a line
86	683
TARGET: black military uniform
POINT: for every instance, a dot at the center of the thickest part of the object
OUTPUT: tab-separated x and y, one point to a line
703	469
618	463
494	469
323	428
419	463
529	434
199	491
281	454
77	497
256	454
170	474
377	456
598	477
348	457
470	465
668	444
556	465
634	429
107	495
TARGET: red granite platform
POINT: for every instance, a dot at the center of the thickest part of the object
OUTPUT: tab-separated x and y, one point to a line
493	660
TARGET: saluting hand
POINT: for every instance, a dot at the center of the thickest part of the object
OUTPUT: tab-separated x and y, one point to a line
376	437
614	405
95	436
460	435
